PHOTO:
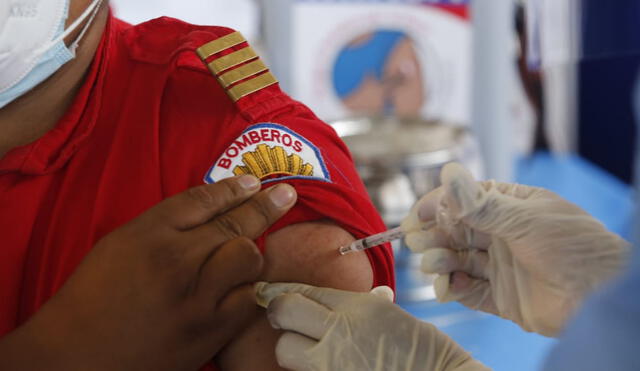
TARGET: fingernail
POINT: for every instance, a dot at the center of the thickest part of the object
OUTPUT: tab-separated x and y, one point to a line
258	289
249	182
282	195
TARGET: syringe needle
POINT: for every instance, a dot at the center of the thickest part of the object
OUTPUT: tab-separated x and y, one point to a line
345	250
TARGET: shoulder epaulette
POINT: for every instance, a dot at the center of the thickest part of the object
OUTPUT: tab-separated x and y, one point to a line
236	66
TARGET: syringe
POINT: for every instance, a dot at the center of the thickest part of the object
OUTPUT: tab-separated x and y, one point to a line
381	238
373	241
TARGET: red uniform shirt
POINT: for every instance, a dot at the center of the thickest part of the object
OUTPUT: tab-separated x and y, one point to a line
150	121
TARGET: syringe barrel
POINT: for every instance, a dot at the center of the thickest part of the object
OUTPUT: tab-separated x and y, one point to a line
384	237
373	241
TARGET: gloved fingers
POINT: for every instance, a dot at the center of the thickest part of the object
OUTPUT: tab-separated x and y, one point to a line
499	215
266	292
424	211
297	313
515	190
463	237
462	193
443	261
384	292
441	287
479	295
459	237
469	206
420	240
471	292
479	207
439	261
462	202
291	350
481	240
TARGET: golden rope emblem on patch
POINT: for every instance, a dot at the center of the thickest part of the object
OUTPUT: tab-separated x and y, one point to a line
265	161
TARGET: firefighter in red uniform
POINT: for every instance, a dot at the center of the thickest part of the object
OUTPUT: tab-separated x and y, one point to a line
93	137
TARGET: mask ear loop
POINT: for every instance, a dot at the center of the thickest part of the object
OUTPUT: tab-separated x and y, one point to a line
76	42
92	11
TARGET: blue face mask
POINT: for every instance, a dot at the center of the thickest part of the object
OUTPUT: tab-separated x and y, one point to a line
50	62
24	67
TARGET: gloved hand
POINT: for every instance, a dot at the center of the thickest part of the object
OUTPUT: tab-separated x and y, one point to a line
328	329
519	252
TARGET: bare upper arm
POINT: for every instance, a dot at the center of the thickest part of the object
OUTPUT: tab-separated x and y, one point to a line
306	253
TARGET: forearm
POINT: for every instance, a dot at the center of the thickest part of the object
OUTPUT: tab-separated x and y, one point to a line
18	353
26	349
56	338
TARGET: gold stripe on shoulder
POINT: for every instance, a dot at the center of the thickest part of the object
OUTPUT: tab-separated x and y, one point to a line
233	68
251	86
250	69
218	45
231	60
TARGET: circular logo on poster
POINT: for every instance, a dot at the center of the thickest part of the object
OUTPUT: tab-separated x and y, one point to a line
379	72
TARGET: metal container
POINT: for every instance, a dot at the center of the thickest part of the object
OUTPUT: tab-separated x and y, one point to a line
399	160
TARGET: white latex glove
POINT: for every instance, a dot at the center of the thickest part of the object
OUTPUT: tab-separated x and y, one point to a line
520	252
329	330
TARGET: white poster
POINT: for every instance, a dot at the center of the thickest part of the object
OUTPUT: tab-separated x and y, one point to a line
381	58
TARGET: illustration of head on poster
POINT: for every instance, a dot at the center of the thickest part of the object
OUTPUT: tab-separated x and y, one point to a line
380	73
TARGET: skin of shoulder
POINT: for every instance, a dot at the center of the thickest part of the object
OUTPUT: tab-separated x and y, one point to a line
306	253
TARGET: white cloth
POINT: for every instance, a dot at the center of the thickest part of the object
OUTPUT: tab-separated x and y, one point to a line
328	329
520	252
